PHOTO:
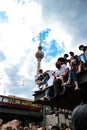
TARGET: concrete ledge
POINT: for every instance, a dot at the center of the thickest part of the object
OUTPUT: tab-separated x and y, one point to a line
70	98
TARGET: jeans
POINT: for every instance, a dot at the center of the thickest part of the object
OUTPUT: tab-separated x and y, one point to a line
73	75
47	91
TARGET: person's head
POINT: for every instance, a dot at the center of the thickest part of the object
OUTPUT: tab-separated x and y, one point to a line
22	128
66	56
15	123
55	127
26	128
49	126
40	71
81	47
60	61
71	53
1	121
8	127
58	65
79	117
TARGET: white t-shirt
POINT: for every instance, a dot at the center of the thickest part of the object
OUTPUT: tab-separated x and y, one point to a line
38	75
36	88
51	79
60	71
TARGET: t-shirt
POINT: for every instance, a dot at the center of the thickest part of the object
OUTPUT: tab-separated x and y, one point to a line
51	79
62	70
82	57
39	77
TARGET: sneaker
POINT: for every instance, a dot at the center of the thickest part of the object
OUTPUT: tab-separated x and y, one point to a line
42	99
47	98
64	84
41	87
77	88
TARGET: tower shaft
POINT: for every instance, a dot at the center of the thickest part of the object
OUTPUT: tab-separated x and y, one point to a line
39	55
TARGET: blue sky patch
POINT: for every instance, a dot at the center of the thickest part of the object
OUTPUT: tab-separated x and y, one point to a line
2	56
51	49
45	34
3	17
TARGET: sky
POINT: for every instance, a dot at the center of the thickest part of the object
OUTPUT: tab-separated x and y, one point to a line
63	27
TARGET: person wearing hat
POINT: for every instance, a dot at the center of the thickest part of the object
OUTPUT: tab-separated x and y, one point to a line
79	117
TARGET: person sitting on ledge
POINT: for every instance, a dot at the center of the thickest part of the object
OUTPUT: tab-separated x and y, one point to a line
61	74
75	68
49	85
38	78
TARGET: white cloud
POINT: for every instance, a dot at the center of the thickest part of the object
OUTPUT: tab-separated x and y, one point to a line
25	19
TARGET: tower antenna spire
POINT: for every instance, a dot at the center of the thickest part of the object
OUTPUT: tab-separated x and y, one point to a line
39	54
40	38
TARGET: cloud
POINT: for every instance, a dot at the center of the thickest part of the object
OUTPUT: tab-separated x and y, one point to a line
62	25
2	56
71	14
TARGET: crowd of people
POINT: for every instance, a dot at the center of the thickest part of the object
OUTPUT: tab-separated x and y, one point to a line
15	124
67	69
78	122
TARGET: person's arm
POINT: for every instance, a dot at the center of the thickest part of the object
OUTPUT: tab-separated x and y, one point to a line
66	72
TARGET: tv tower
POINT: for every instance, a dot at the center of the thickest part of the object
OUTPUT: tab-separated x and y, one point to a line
39	55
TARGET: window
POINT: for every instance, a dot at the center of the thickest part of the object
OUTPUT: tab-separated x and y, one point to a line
5	99
17	101
0	99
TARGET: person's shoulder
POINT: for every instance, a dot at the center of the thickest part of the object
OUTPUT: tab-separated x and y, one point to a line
65	65
81	54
